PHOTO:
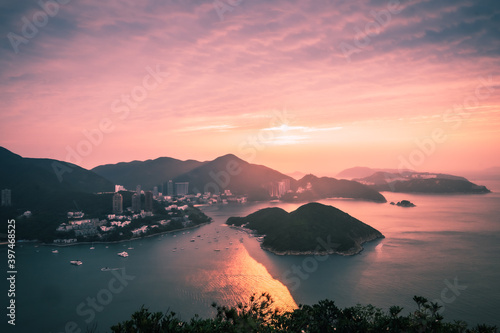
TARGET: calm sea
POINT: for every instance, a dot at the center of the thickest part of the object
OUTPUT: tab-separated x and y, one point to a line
446	249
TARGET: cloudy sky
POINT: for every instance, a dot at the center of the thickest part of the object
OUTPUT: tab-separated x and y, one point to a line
308	85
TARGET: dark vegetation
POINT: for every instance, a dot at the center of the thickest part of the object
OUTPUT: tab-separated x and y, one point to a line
299	230
42	224
229	172
259	315
148	173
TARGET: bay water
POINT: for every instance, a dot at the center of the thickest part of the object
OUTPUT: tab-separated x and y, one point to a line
446	249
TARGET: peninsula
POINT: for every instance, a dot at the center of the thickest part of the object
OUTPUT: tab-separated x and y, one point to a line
313	228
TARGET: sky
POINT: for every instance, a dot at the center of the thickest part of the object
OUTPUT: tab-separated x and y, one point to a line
306	85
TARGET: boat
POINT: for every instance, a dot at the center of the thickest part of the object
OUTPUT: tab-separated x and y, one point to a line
92	248
106	269
55	251
76	262
123	254
217	250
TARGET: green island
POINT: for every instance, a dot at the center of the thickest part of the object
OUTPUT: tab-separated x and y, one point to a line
313	228
259	315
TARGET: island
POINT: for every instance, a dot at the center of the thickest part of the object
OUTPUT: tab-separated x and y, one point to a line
404	203
421	182
312	229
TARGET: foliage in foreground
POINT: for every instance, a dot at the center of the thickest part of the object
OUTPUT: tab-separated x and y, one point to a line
259	315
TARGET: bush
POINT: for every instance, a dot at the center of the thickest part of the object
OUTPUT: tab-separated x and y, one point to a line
260	315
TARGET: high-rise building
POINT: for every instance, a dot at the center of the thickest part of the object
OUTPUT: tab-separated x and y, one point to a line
6	197
155	192
181	188
287	185
136	203
138	189
170	188
148	204
119	188
117	203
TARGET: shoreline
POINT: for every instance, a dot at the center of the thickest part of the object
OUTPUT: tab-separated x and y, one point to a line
124	240
353	251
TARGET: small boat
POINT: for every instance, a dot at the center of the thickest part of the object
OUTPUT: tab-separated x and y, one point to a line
76	262
55	251
123	254
92	248
106	269
217	250
192	240
130	248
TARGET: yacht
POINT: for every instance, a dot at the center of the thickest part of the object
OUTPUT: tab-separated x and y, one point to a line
76	262
123	254
55	251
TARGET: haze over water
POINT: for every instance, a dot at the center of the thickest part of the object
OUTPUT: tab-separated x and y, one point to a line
443	238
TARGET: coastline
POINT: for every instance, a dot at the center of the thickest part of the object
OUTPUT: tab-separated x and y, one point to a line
352	251
124	240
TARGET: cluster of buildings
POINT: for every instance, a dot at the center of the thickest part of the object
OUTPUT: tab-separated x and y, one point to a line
279	189
174	191
93	228
136	202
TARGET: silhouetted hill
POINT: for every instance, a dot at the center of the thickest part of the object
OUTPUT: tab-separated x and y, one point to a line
148	173
422	182
229	172
312	228
326	187
44	183
361	172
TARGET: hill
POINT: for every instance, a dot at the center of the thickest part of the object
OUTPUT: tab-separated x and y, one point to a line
314	188
421	182
229	172
44	183
361	172
312	228
148	173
